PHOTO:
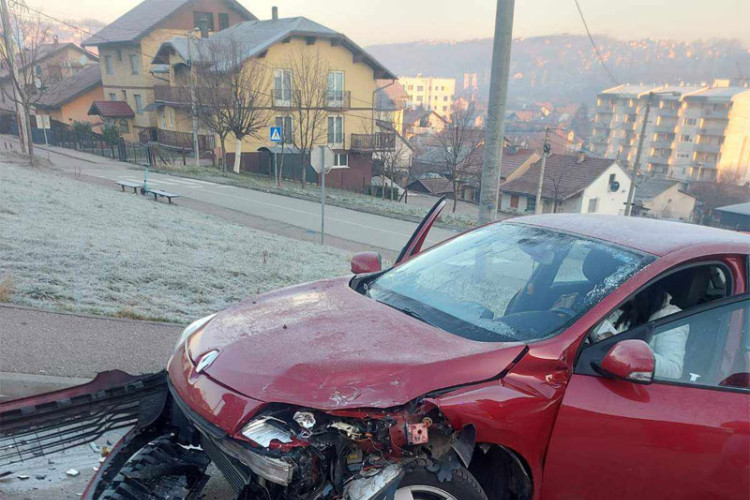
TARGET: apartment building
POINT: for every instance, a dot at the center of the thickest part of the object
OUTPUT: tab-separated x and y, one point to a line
127	46
430	93
277	46
692	132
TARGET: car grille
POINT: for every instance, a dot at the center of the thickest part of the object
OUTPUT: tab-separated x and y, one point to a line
236	474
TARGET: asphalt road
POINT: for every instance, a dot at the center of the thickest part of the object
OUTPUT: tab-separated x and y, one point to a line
363	229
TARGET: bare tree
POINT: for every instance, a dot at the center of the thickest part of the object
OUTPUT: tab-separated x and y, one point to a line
391	158
727	190
460	145
231	93
28	36
308	101
554	179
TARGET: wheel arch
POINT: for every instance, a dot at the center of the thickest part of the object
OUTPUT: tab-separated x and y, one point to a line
503	473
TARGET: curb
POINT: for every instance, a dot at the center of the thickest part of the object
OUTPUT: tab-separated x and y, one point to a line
21	385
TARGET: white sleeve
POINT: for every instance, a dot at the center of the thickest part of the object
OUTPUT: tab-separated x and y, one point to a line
669	352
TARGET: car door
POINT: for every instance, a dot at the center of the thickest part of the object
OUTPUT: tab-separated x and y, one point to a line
685	438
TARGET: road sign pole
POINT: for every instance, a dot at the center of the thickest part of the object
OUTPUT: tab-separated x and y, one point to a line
46	143
322	197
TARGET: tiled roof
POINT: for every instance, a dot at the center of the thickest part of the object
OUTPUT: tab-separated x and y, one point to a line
390	96
47	50
650	188
69	88
254	37
434	185
111	109
143	18
739	208
571	176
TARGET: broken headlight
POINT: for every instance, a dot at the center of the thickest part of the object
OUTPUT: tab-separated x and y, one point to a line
192	328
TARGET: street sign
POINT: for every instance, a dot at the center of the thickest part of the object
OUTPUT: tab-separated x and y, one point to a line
42	121
275	134
322	155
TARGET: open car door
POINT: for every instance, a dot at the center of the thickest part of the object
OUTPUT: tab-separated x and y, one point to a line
414	245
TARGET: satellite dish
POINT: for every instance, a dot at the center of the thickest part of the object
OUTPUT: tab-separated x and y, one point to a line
37	82
83	60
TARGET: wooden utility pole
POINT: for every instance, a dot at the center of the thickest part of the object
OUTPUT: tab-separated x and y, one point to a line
19	92
193	98
637	164
495	131
545	152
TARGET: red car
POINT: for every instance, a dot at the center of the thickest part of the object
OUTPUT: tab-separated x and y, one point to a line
558	356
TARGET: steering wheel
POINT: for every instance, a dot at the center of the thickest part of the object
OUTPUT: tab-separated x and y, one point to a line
564	310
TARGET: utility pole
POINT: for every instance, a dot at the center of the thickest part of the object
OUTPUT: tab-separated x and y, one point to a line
193	107
637	164
19	92
545	151
495	131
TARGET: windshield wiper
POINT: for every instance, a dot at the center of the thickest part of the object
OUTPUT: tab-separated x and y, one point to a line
414	314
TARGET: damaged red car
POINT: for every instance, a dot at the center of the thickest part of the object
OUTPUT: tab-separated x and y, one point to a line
552	357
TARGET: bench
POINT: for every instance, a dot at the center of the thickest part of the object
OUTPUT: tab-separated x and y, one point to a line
159	192
134	185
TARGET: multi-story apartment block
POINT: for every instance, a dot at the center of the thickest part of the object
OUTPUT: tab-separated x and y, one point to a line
429	93
127	46
692	133
276	47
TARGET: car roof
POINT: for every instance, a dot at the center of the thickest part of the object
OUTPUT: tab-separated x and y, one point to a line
657	237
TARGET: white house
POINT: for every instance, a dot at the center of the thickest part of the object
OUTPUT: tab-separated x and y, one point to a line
571	184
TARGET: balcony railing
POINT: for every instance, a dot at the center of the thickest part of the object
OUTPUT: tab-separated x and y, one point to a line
716	113
170	94
339	99
662	144
373	142
717	131
605	109
707	147
184	140
665	127
669	113
331	99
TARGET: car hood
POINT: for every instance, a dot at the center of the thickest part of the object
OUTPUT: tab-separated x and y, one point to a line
323	345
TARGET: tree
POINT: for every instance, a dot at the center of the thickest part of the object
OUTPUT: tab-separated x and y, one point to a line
460	144
24	47
308	100
230	93
554	179
390	158
725	191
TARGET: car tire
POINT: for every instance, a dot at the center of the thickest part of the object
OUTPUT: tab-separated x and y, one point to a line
421	484
161	469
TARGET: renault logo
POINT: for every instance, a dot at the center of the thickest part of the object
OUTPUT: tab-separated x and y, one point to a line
206	360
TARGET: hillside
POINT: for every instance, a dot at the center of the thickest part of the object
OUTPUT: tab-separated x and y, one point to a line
564	68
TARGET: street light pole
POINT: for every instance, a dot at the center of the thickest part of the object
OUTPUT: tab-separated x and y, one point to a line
495	131
637	164
193	106
545	152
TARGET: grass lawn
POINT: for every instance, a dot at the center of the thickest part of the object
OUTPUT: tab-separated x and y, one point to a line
66	245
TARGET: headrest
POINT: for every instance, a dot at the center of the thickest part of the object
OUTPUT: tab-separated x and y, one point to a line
599	265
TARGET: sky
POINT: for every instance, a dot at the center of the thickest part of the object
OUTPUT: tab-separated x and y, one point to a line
386	21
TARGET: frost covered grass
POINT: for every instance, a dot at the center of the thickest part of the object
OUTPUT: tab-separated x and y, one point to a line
66	245
346	199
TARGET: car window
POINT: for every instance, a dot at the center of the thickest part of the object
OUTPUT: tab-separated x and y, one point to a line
703	349
493	284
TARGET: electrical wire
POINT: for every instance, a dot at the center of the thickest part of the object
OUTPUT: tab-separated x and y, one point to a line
596	48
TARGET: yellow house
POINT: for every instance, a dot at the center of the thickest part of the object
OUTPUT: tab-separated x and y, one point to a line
277	46
69	100
127	46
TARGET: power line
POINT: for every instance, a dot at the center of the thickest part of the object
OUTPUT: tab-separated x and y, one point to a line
593	44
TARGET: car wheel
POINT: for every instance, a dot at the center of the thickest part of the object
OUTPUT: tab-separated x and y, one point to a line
161	469
421	484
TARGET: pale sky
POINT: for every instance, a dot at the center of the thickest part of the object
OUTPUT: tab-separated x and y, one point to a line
383	21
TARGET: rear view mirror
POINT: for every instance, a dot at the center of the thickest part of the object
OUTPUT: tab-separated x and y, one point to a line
366	262
631	360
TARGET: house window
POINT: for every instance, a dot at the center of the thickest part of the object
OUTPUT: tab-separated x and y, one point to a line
223	21
514	201
531	204
170	117
420	88
336	86
335	130
445	98
593	205
124	129
108	65
164	119
125	95
685	138
341	160
419	98
112	96
285	122
133	64
282	86
119	55
204	21
689	121
612	178
138	104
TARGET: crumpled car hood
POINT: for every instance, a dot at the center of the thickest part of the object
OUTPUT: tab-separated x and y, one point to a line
323	345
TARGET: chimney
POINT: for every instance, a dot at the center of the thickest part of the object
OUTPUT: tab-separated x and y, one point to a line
55	40
274	13
581	157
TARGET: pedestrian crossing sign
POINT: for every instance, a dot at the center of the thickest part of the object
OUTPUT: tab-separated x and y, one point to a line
275	134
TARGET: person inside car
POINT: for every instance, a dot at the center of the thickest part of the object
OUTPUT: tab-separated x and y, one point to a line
651	304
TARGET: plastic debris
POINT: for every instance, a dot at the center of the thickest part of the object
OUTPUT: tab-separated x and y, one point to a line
105	450
40	476
94	447
72	472
22	476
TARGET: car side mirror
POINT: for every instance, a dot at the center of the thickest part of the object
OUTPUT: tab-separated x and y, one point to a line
631	360
366	262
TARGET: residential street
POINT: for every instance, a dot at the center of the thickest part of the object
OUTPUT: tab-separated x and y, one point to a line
361	229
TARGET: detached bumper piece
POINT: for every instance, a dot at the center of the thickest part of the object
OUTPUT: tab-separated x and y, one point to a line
52	422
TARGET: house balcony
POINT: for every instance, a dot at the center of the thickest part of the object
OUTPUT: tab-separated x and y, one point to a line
708	148
605	109
658	159
368	143
662	144
665	127
721	114
184	140
714	131
338	99
668	113
332	100
172	95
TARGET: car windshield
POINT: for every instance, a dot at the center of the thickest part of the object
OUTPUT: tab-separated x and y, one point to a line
506	282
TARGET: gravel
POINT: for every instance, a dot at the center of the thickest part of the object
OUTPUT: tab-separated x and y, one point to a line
66	245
